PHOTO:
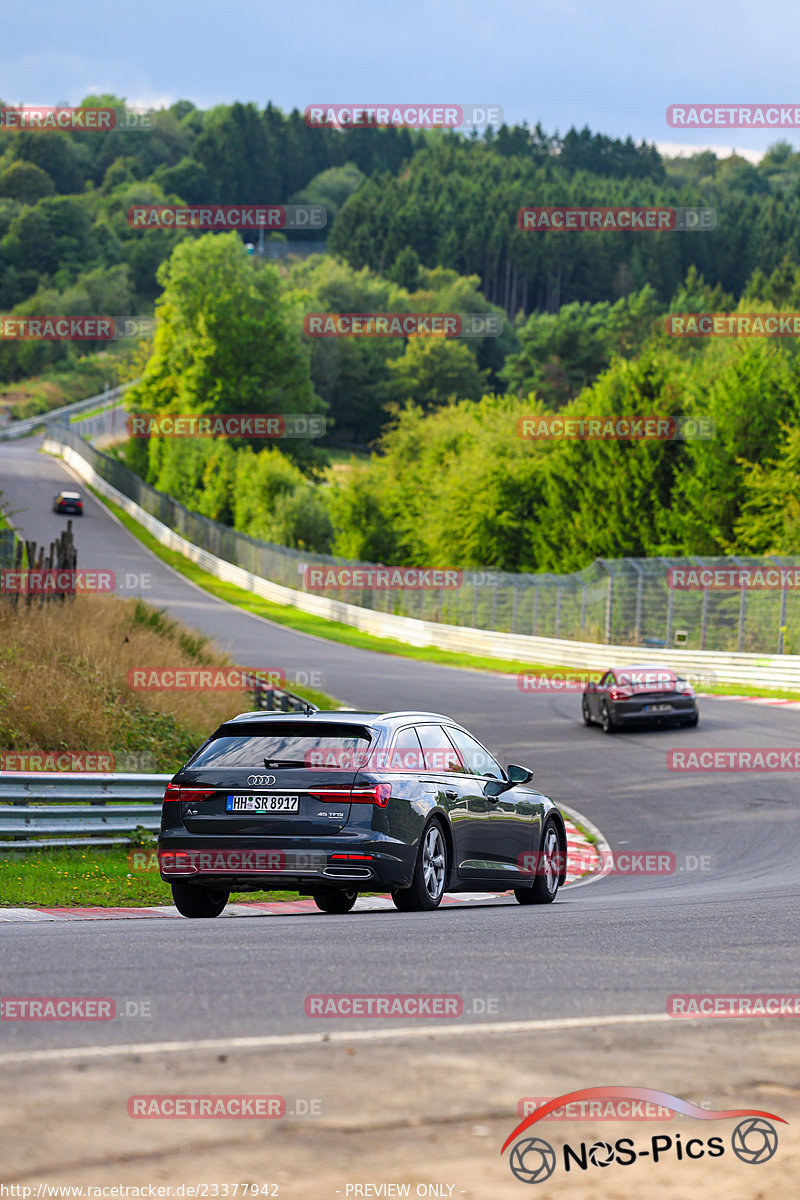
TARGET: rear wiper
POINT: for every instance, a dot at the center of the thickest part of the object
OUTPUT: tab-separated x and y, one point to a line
282	762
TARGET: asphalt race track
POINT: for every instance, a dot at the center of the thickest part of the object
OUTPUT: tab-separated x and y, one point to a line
620	945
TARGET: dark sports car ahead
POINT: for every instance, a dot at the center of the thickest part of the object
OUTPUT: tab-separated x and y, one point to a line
68	502
648	694
333	803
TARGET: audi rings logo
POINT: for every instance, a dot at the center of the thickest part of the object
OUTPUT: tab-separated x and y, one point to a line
533	1160
260	780
754	1140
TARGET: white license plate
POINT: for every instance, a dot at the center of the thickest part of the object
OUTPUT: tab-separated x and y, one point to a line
262	804
657	707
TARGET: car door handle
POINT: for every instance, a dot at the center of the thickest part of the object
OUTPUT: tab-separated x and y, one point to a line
451	793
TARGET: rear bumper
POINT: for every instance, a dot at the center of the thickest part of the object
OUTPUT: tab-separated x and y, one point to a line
364	862
625	714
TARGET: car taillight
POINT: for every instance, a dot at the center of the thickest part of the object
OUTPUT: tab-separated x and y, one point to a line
187	795
619	694
339	795
379	793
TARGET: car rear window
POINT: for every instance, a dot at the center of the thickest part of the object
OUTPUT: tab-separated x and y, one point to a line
288	744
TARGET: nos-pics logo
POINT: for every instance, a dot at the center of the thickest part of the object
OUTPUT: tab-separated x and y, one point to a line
533	1160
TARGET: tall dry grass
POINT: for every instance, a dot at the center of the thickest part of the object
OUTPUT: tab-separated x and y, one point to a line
64	680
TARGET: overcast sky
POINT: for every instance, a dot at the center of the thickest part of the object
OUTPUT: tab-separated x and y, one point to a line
614	66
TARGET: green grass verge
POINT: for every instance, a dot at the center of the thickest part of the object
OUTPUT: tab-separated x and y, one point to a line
335	631
591	838
90	878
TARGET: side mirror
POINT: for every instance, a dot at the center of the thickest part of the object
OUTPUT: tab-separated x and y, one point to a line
518	774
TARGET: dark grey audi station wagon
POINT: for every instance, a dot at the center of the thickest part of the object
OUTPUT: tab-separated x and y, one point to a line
330	804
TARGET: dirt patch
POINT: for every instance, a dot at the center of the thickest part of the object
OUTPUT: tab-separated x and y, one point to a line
424	1112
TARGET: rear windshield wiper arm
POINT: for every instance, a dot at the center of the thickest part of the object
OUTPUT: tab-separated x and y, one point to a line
282	762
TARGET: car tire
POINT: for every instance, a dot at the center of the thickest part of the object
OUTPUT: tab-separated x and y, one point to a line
607	724
545	884
335	900
587	716
430	874
192	900
693	720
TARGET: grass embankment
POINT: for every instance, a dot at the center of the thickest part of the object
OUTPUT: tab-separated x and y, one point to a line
64	680
87	878
64	687
335	631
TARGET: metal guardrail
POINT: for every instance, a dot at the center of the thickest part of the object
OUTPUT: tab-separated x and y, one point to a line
56	416
79	807
274	699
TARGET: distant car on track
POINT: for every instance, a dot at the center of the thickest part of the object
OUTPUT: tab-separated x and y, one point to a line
68	502
649	694
333	803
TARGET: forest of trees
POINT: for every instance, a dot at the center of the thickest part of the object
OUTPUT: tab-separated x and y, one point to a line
427	223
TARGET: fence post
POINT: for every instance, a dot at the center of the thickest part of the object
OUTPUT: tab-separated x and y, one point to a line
742	606
609	605
704	620
639	590
782	624
535	607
